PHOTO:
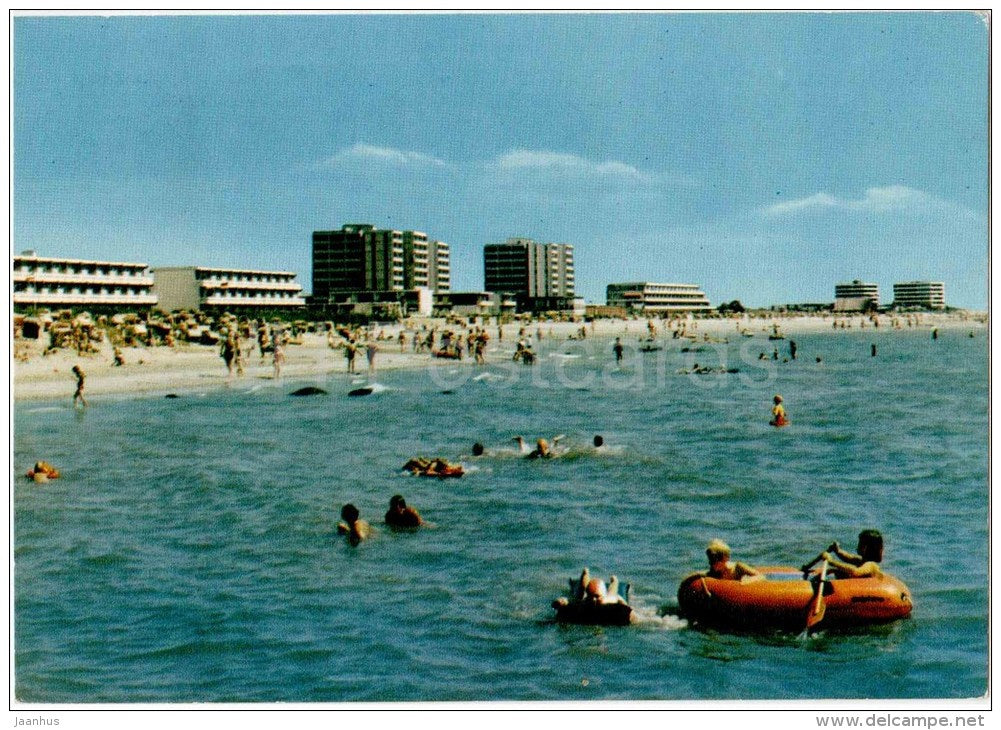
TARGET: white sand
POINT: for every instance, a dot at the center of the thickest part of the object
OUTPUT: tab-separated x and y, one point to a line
196	367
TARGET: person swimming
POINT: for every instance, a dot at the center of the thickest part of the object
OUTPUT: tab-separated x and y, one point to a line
599	441
400	515
356	529
478	449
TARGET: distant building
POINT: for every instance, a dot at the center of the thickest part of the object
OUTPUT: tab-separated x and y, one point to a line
923	294
467	303
534	274
855	297
643	297
56	283
362	258
199	288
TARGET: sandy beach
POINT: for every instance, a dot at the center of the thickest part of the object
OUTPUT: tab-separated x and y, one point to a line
187	367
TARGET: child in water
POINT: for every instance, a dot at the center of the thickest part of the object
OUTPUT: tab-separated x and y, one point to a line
778	413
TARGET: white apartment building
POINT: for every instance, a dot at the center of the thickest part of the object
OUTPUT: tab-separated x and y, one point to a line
199	287
649	298
924	294
53	283
856	296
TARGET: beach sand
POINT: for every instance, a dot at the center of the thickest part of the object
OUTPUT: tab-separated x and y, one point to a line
188	367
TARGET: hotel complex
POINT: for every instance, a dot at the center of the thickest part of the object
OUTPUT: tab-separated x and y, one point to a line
361	258
923	294
538	276
856	296
76	283
643	297
199	288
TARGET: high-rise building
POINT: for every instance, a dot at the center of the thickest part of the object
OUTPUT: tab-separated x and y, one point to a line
924	294
362	258
527	269
855	297
648	298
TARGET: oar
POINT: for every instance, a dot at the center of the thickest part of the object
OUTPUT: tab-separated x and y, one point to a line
816	608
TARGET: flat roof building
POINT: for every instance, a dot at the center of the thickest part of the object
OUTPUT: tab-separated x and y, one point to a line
362	258
923	294
40	281
644	297
855	296
528	270
199	287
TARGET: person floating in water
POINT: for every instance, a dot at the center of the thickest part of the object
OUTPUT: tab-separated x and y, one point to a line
849	565
722	568
779	417
355	528
400	515
591	590
78	395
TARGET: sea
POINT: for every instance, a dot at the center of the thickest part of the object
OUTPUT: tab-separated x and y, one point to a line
190	553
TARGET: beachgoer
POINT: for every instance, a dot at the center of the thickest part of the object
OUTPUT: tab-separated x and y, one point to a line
593	590
872	350
478	449
402	340
400	515
370	351
934	334
721	567
356	529
227	351
542	450
617	349
792	349
599	441
350	350
278	358
849	565
80	375
778	413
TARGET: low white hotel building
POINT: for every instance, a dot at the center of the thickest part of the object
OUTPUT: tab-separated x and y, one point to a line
644	297
64	283
199	287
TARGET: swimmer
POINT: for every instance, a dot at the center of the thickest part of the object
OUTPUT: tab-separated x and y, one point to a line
599	442
356	529
543	450
778	413
400	515
478	449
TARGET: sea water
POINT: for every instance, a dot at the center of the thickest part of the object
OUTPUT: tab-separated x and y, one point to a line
190	553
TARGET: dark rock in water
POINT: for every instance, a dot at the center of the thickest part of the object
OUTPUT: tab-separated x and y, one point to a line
361	391
309	390
448	392
172	395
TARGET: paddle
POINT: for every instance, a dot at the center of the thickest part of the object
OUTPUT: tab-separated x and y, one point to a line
816	608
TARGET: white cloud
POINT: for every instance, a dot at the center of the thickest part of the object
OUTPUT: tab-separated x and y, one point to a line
559	162
875	200
371	153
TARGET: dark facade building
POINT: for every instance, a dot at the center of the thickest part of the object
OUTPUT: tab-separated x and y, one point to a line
529	271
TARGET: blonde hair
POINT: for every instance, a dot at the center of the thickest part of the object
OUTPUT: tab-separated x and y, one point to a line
717	549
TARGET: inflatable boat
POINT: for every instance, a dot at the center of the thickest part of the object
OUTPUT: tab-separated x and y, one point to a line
784	596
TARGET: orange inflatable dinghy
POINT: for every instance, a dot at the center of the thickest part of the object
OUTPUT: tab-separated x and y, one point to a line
781	600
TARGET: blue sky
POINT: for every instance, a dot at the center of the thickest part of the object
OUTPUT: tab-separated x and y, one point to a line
763	156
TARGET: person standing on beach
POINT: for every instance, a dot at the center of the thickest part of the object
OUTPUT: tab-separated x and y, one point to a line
78	371
370	352
350	350
278	358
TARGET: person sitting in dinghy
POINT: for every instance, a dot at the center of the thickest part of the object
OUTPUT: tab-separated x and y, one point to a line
849	565
722	568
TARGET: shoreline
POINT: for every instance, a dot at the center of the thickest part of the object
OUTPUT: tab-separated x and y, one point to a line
191	367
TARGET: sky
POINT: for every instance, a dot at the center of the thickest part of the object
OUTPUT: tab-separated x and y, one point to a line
763	156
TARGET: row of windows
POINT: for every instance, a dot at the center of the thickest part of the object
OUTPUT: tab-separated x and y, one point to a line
94	290
77	271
